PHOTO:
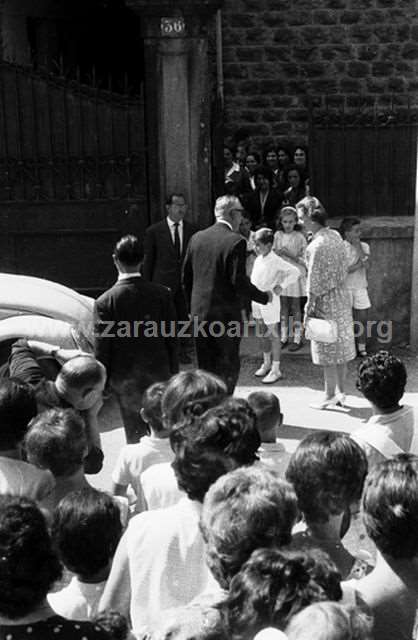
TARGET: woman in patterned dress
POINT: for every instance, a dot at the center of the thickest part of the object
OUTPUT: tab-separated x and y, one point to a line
327	297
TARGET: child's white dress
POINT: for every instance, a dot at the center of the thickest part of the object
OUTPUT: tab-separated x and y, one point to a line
268	272
295	242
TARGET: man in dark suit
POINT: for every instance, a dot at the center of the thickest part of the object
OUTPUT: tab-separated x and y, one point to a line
135	335
216	284
165	247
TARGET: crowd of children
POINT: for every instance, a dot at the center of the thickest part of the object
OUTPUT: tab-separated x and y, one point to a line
232	537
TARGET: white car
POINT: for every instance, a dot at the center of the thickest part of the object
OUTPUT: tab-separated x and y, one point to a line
39	309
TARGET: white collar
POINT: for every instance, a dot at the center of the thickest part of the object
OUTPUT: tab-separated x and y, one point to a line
171	222
125	276
228	224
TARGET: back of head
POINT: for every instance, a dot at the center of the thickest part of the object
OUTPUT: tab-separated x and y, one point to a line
327	471
190	391
224	206
228	430
151	405
28	564
266	407
87	528
244	510
382	379
129	251
264	235
57	440
330	621
17	408
80	377
272	586
390	506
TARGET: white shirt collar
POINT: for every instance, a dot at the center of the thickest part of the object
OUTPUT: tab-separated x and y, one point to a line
171	222
125	276
228	224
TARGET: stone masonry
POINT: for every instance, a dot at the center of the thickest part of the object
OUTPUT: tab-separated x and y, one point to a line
350	54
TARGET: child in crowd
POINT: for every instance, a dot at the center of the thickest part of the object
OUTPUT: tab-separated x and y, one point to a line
57	441
327	471
330	621
390	512
290	244
358	254
152	449
18	478
186	391
87	528
270	273
272	586
272	452
393	428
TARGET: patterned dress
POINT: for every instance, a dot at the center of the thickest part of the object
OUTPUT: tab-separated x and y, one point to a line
327	272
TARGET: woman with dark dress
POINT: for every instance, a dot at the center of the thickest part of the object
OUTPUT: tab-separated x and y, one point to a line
28	568
297	190
263	203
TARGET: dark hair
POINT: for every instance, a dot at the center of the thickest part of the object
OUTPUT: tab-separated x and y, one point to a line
318	214
169	198
390	506
86	529
381	378
244	510
151	405
264	235
228	430
28	564
270	149
303	148
285	149
293	167
17	408
265	172
256	156
347	224
327	471
57	440
113	623
82	373
129	251
273	585
187	388
266	407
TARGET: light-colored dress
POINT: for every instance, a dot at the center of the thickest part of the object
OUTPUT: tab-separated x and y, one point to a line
327	272
295	242
268	272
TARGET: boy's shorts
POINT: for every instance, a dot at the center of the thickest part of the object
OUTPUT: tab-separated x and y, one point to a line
359	299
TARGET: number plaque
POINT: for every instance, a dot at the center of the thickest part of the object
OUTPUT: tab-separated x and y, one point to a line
172	27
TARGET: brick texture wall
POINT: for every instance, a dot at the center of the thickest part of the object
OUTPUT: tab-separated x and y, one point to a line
347	53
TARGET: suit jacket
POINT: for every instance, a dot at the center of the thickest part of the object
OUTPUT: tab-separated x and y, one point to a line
214	275
160	261
272	205
132	320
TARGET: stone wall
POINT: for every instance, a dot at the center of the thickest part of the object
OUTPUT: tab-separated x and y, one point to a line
352	53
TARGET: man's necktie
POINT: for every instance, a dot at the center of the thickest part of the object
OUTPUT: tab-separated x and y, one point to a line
177	240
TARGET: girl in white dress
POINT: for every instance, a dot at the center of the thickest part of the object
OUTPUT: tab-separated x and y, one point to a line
290	244
270	273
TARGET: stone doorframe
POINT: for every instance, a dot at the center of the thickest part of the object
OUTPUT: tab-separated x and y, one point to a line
178	102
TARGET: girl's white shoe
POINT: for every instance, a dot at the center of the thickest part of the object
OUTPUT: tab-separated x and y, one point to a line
263	370
273	376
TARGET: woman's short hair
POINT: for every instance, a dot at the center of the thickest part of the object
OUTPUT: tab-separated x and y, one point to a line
17	408
57	440
188	389
327	471
86	530
248	508
330	621
381	378
227	431
390	506
28	564
129	251
272	586
347	224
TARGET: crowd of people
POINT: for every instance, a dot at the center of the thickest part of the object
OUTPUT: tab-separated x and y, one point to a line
213	529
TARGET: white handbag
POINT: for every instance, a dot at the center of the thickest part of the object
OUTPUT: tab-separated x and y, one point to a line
321	330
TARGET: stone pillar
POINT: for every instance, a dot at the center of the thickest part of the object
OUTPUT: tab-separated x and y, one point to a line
413	339
177	102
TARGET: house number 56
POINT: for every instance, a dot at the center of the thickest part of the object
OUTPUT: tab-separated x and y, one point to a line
172	26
